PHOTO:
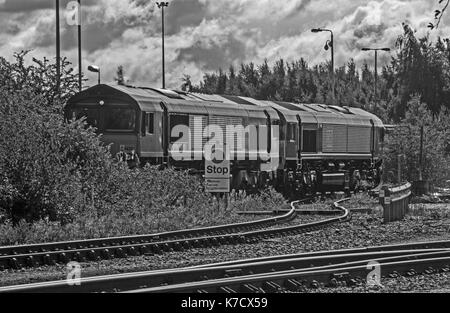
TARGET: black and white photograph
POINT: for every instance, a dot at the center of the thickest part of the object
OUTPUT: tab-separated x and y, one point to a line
237	155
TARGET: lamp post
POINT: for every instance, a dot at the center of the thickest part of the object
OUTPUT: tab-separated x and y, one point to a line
329	45
95	69
58	51
162	5
376	66
80	67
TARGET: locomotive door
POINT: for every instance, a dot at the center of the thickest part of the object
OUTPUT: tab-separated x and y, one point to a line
151	135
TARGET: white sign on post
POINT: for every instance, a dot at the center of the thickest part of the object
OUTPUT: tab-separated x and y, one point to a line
217	175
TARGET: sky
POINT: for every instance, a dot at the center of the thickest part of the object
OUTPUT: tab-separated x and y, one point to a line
205	35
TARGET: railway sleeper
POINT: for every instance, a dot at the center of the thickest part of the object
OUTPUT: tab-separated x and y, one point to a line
91	255
272	287
106	255
293	285
249	288
227	290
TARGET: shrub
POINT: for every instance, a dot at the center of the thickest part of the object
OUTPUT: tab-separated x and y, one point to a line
405	140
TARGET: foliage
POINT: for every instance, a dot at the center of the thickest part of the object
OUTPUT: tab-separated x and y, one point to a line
419	67
436	147
37	80
46	164
439	13
120	78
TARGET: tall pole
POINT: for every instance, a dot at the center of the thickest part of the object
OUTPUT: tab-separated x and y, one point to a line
329	44
58	51
80	67
332	67
376	69
376	76
161	5
163	53
421	154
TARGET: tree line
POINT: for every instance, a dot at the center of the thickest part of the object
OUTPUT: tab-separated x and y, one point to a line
418	66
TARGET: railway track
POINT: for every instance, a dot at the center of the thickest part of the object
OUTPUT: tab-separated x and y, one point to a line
348	273
273	274
107	248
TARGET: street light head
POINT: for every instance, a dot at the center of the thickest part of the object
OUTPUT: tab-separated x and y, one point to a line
316	30
386	49
93	68
366	49
162	4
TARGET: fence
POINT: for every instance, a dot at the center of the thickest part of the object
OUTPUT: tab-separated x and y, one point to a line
395	202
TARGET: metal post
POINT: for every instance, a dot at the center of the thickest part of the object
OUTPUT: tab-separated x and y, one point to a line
376	77
329	42
161	5
163	54
376	69
386	202
58	51
80	66
421	155
332	67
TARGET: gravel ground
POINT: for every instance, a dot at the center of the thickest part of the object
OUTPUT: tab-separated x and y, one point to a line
425	223
434	283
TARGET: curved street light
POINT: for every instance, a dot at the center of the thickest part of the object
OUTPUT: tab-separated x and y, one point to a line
95	69
376	66
329	45
162	5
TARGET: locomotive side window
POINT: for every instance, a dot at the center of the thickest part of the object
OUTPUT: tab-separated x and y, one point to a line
290	136
118	119
309	141
91	115
175	120
150	123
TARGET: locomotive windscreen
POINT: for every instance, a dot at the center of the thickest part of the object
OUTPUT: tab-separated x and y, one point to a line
120	119
91	115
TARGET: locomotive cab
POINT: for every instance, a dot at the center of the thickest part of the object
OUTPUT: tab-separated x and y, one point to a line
125	123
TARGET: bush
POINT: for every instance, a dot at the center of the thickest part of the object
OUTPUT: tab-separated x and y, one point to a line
405	140
59	182
46	164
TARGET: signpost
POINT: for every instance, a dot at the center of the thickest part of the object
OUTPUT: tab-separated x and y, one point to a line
217	177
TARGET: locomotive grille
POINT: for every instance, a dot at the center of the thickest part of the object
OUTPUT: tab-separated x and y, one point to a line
334	138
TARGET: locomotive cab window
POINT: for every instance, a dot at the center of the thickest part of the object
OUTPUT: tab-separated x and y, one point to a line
91	115
309	141
120	119
150	123
290	134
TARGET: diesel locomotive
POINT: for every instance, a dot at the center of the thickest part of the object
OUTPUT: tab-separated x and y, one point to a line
319	148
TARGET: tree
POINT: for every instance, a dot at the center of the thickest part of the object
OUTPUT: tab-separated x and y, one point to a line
438	14
187	84
405	141
37	80
46	164
120	78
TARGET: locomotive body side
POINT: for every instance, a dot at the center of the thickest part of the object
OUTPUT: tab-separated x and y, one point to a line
319	148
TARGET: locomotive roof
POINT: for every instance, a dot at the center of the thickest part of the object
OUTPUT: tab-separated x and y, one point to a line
149	99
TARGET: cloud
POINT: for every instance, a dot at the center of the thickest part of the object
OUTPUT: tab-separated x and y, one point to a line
24	5
205	35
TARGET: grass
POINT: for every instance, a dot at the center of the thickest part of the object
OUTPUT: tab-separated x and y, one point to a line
136	221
